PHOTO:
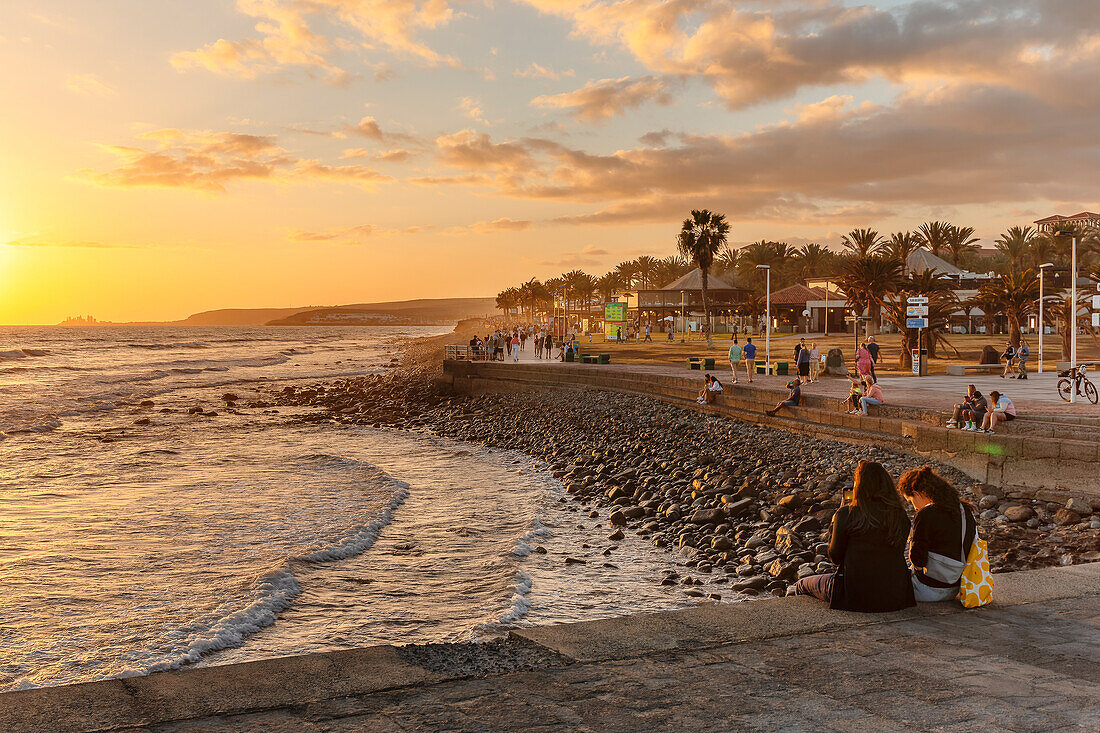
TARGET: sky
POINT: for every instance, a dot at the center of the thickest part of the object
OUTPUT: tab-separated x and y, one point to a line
162	158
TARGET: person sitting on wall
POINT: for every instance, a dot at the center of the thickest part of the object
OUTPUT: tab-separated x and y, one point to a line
711	389
1003	410
793	398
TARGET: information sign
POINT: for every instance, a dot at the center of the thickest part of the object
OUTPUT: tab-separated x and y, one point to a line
614	312
917	300
916	323
916	310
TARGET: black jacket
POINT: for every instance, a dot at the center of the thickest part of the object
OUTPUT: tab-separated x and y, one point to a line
875	576
939	530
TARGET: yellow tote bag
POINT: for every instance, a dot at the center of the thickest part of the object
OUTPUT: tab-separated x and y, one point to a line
976	583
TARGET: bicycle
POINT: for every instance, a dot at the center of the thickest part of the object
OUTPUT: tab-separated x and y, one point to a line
1076	376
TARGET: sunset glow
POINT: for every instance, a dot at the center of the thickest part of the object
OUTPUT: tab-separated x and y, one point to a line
158	159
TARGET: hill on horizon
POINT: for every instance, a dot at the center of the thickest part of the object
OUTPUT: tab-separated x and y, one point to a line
422	311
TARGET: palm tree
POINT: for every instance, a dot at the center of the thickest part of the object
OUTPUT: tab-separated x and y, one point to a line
671	268
627	272
901	245
1057	310
701	236
812	260
645	267
726	261
942	302
1013	295
867	280
862	242
751	255
934	235
508	299
1015	245
961	241
609	285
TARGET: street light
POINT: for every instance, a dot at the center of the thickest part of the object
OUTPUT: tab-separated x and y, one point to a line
1042	269
767	320
1071	316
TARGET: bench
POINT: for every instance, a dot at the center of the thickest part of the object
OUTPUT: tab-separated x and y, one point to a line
699	362
603	359
959	370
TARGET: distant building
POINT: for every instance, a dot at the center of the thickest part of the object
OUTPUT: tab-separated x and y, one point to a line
1053	223
663	307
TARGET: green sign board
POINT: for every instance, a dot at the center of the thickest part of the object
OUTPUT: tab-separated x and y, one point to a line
614	312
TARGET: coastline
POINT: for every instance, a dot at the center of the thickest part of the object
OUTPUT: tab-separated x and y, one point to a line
743	507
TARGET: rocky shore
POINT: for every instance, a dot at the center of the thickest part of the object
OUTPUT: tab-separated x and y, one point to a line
742	506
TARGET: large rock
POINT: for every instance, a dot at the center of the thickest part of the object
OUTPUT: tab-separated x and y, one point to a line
1066	517
990	355
1019	513
708	516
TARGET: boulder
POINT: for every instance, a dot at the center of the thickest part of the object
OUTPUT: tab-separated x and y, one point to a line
990	355
708	516
1019	513
1066	517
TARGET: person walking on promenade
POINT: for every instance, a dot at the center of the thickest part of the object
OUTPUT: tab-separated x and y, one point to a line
1022	353
943	530
815	362
872	349
735	355
802	361
648	332
749	352
549	344
522	338
1003	411
865	365
711	389
1008	356
866	543
515	348
794	397
873	397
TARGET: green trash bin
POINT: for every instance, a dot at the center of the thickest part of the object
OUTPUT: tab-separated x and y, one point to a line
604	359
781	368
569	356
708	363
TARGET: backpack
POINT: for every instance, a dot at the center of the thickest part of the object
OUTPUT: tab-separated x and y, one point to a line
976	583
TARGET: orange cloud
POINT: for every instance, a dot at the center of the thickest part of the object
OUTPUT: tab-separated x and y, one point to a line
606	98
208	161
538	71
89	85
287	40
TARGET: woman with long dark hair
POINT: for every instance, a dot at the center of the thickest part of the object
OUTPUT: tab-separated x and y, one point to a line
866	543
943	530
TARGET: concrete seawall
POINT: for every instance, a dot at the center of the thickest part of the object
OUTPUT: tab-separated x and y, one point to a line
1047	459
609	667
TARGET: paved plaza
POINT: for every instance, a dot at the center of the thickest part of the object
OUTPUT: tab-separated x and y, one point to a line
1029	662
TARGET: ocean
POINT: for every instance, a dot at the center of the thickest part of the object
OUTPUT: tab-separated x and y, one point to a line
198	539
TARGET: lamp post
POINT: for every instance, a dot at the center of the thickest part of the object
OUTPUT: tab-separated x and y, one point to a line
767	320
1042	269
1071	315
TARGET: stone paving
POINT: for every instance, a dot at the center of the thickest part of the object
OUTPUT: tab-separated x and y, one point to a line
1030	667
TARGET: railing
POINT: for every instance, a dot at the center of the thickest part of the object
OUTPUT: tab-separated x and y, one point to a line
465	352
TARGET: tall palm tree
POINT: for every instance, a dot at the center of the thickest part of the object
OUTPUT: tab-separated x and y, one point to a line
609	285
960	241
901	245
1057	310
726	261
867	280
508	299
627	272
862	242
934	235
1015	245
942	302
645	267
812	260
701	236
751	255
669	269
1013	295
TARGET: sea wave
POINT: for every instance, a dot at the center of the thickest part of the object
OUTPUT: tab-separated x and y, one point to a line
21	353
172	345
275	590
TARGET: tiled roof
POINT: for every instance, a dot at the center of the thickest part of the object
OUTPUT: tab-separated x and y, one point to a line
694	281
797	294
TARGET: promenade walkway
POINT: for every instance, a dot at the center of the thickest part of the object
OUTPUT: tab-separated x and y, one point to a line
1030	662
